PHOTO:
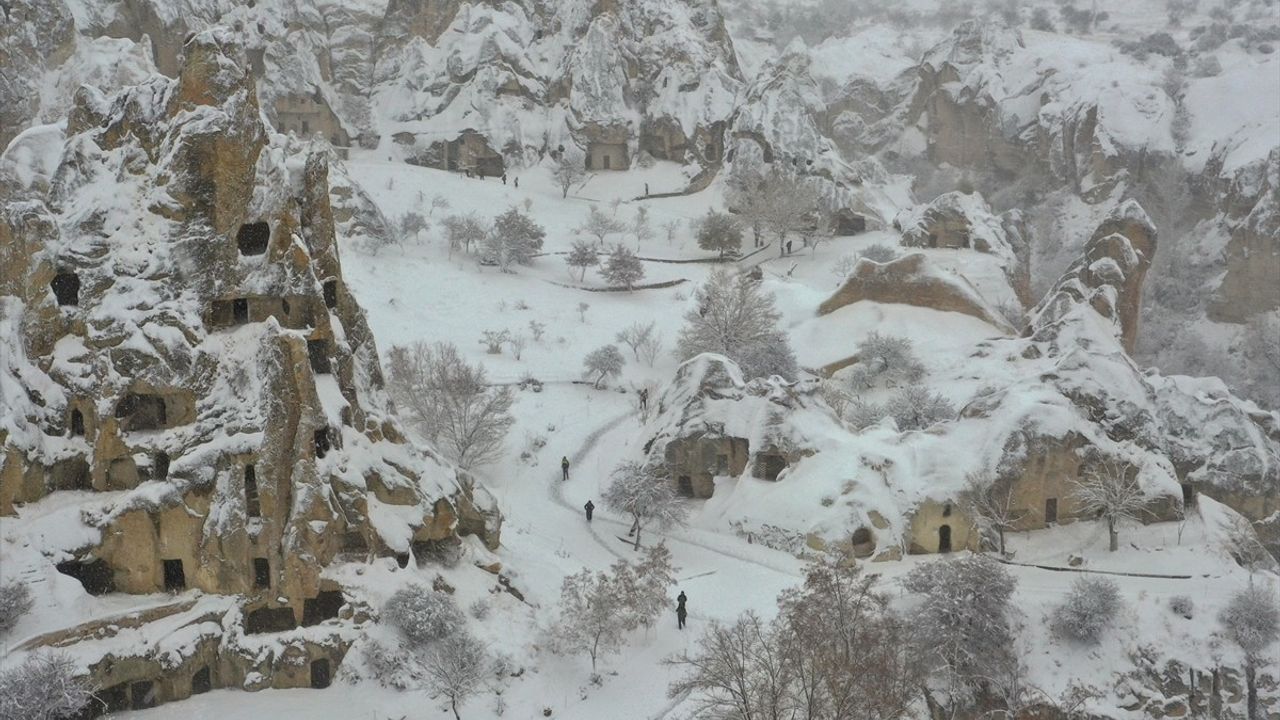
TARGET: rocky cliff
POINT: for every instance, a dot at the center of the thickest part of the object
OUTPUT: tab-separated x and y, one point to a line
188	370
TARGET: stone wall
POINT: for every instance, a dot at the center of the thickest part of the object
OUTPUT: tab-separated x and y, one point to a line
694	462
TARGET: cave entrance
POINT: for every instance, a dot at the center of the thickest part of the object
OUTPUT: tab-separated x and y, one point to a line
773	466
318	354
160	466
261	573
202	681
111	700
66	288
253	237
142	412
1050	510
684	485
330	288
269	620
239	311
324	606
94	575
944	539
175	579
320	673
142	695
77	423
1188	495
252	506
322	443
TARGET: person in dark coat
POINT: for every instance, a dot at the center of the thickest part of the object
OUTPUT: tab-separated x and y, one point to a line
646	189
517	181
564	467
644	398
681	612
504	178
590	506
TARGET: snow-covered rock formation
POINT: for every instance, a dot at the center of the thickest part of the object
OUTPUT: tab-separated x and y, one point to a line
191	397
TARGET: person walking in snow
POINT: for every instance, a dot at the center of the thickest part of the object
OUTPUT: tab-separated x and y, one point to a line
681	611
564	467
589	507
504	178
646	189
644	398
517	182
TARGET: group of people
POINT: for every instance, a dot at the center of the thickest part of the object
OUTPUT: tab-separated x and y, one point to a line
590	507
480	174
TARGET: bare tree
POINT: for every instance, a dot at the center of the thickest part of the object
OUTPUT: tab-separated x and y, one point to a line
591	619
438	202
734	317
493	340
644	494
463	231
737	672
622	268
537	329
582	309
568	172
669	228
650	348
450	402
635	335
600	225
45	686
582	256
1252	621
457	667
991	505
1110	490
603	362
641	227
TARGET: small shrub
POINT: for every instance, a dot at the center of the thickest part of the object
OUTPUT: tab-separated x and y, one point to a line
422	615
41	687
879	253
480	609
15	601
1090	608
1182	605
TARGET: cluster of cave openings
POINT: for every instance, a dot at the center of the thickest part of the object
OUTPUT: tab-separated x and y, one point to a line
175	578
142	412
322	443
318	353
253	237
66	288
252	505
94	575
320	674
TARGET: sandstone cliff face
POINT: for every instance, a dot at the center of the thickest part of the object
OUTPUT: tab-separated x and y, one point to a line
185	352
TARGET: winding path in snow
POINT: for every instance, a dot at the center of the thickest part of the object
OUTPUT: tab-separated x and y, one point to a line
556	489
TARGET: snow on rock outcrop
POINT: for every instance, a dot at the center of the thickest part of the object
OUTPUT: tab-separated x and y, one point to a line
187	362
964	220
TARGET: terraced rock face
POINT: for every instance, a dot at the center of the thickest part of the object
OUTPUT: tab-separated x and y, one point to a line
182	349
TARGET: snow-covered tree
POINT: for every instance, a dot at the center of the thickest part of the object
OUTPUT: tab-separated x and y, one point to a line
493	340
599	225
1251	620
518	343
582	309
879	253
622	268
650	348
962	624
438	202
15	601
915	408
592	617
646	496
457	667
636	335
582	256
568	172
736	672
653	577
450	401
44	686
603	362
885	360
463	231
720	233
991	504
413	224
776	202
1089	608
513	238
422	615
1110	489
669	228
734	317
641	226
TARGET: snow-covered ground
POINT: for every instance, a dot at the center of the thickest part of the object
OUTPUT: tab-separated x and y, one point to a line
417	292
